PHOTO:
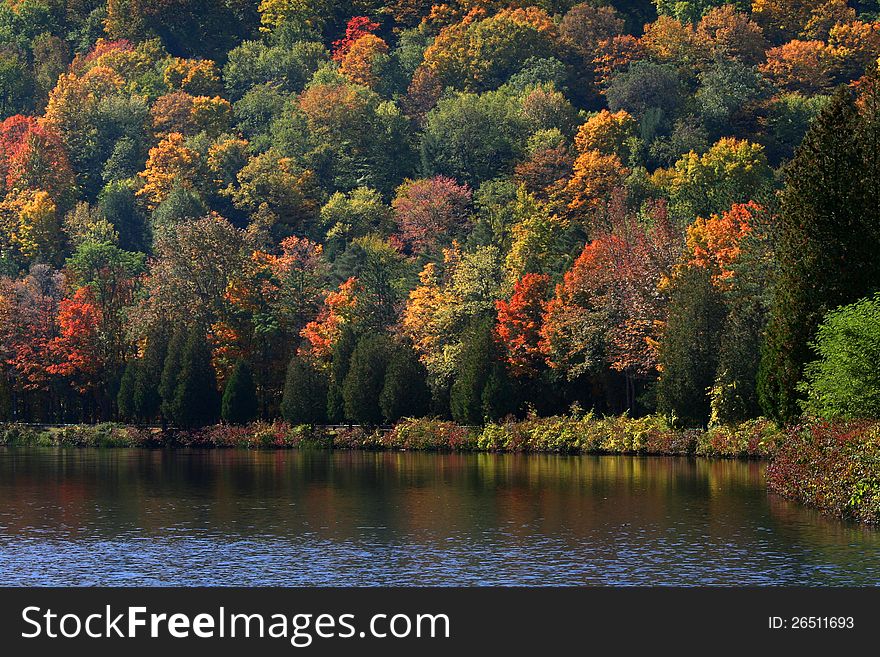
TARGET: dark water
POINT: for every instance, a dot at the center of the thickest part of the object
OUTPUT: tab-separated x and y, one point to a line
126	517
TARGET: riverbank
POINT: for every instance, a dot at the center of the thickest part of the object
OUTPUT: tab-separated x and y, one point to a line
834	467
650	435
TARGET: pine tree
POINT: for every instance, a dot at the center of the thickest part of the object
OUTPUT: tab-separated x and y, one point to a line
405	391
239	402
829	240
474	365
305	393
689	347
498	398
125	396
196	400
365	379
147	400
171	365
5	400
340	360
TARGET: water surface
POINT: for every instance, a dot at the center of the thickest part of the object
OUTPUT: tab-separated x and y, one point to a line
237	517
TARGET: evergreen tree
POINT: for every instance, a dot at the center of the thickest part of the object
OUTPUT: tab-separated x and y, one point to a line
147	400
125	396
5	400
689	347
829	239
365	379
339	364
196	400
498	398
239	402
474	366
405	392
305	393
171	373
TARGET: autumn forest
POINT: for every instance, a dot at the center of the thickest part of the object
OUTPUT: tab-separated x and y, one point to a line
350	212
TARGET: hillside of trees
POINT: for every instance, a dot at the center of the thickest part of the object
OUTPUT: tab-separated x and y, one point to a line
339	211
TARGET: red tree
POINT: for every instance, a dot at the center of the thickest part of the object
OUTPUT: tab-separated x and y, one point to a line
430	210
32	156
76	351
519	324
357	27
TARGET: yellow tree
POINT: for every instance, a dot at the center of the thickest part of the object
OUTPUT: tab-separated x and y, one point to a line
170	163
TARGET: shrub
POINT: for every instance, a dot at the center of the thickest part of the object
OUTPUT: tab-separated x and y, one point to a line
832	466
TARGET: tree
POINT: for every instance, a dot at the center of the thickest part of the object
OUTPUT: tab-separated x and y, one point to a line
405	390
473	370
804	66
125	397
171	373
473	138
644	87
340	363
519	324
365	379
731	171
286	189
239	402
480	53
305	393
196	399
845	382
151	376
828	238
171	163
584	308
732	33
689	348
431	211
585	26
365	61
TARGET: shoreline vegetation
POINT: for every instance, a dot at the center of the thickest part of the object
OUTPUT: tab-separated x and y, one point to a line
831	466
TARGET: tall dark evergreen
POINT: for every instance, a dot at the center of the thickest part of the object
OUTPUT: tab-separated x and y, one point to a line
196	399
829	239
365	379
125	396
171	365
146	400
305	393
405	391
498	398
339	364
475	364
689	348
239	402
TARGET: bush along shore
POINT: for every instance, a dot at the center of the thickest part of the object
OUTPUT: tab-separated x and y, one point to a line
651	435
834	467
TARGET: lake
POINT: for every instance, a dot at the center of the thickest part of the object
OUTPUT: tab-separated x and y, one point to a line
236	517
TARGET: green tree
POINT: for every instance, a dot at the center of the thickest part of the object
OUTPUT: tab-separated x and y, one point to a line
239	402
125	396
689	348
473	138
196	399
365	380
405	391
146	399
171	372
305	393
498	397
475	363
340	359
828	239
845	381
